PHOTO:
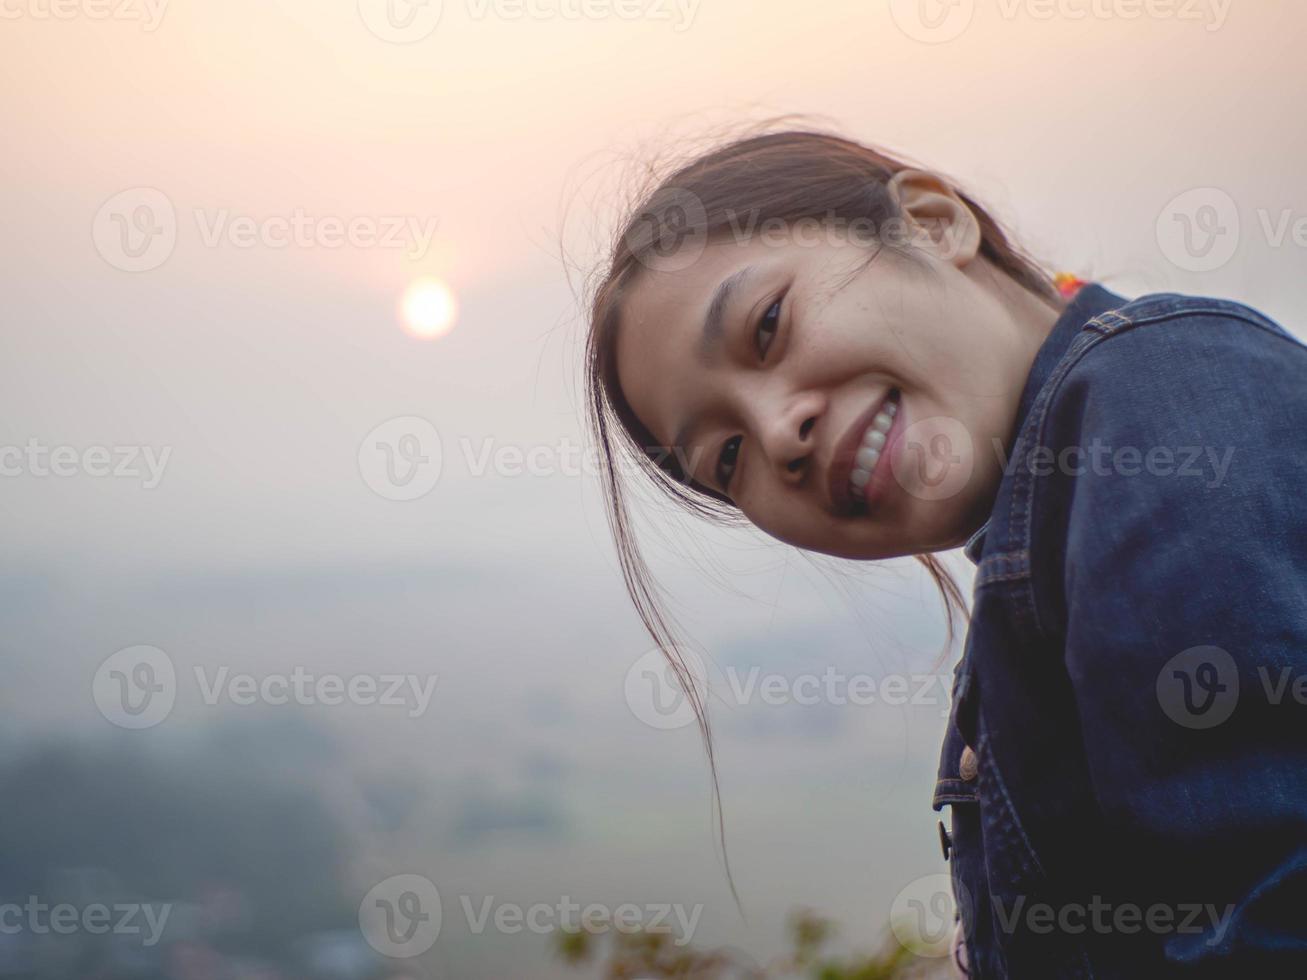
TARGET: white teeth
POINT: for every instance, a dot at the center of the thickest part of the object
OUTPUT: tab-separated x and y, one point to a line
873	441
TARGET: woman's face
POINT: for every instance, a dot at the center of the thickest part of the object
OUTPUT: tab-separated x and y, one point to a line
768	364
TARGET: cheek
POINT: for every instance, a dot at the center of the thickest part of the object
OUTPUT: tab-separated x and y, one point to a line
764	508
788	517
856	336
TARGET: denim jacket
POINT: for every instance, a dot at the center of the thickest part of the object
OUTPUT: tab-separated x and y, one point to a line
1126	756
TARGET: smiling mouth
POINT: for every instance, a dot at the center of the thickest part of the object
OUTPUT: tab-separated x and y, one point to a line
871	446
856	478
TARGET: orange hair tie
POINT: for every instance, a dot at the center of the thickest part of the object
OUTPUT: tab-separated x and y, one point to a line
1067	284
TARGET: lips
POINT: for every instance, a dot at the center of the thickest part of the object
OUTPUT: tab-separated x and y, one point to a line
842	460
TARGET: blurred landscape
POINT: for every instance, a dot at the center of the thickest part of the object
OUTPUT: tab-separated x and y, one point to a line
318	662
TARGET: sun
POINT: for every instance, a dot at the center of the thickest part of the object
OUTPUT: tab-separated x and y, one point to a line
428	308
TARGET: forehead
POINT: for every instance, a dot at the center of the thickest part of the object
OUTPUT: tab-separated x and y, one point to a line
661	321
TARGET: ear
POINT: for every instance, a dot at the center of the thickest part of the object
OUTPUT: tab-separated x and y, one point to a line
936	218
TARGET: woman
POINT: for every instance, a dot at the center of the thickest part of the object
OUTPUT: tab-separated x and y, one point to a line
849	353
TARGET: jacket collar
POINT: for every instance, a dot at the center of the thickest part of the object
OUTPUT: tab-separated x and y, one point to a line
1092	300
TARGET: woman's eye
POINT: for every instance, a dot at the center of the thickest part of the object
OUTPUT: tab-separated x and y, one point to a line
726	462
767	327
766	332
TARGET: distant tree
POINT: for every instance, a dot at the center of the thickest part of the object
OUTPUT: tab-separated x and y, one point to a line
639	954
230	815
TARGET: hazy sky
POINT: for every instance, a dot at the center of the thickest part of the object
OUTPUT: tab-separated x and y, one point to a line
252	370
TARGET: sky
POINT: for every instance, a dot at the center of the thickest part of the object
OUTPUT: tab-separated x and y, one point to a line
302	163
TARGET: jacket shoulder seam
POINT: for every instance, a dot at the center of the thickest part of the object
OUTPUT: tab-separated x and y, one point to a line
1123	319
1109	324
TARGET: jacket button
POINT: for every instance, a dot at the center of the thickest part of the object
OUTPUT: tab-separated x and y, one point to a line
945	841
969	765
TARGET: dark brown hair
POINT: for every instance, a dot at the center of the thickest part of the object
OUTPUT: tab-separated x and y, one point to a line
792	176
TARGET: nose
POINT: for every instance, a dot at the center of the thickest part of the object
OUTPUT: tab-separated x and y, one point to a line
786	433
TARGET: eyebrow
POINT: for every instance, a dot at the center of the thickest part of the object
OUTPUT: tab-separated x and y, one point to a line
711	334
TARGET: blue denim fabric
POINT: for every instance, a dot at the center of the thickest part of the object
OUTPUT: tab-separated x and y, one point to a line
1134	802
